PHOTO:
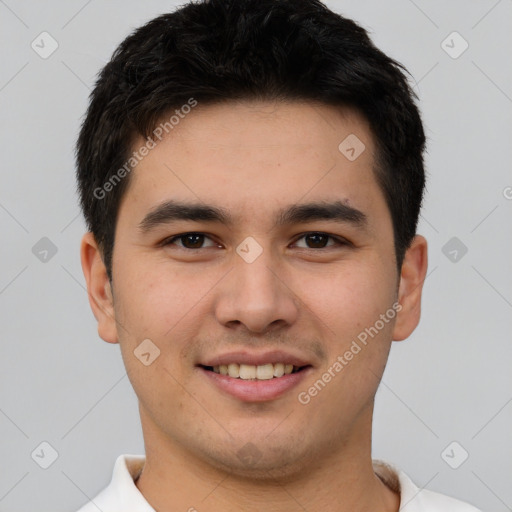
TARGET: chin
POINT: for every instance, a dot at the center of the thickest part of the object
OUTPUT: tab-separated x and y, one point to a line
262	460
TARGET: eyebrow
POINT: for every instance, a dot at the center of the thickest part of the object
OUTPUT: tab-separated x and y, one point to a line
170	211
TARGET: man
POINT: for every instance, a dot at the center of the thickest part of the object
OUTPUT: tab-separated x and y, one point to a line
251	173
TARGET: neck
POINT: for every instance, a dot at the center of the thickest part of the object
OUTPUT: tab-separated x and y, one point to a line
340	480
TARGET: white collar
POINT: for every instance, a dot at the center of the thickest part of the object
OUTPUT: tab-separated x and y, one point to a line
122	494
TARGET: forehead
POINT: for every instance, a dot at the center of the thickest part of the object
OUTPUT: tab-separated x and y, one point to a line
250	157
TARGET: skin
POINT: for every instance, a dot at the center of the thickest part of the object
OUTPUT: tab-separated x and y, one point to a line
253	158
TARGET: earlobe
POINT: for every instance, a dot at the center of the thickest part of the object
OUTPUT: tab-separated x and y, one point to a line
412	277
98	288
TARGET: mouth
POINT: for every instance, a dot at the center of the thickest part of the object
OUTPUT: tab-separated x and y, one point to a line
255	377
262	377
248	372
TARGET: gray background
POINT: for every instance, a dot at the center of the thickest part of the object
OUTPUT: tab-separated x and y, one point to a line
451	381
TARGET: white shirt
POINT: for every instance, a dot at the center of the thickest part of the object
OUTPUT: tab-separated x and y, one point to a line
122	495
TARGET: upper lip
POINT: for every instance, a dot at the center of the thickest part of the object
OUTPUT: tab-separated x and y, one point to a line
256	359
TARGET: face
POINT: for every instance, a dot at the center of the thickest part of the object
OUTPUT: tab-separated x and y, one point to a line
285	257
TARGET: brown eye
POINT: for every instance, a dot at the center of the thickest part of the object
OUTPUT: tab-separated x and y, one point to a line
189	241
319	241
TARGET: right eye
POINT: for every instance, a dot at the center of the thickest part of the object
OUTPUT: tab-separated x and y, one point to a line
189	241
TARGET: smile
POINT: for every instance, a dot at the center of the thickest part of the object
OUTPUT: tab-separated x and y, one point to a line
255	383
254	372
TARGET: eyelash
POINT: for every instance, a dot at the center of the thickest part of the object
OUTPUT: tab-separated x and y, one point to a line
339	241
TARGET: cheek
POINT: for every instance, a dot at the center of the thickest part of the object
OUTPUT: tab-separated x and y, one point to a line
155	305
147	306
166	306
357	339
154	300
351	298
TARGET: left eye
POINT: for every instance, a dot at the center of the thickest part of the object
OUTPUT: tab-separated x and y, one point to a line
195	240
319	240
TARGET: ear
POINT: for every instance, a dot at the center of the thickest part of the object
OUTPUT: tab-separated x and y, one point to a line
412	277
98	288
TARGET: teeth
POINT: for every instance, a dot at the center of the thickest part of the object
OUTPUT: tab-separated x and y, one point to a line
265	372
278	370
234	370
247	371
251	372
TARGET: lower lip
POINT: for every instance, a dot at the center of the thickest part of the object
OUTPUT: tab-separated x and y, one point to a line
256	390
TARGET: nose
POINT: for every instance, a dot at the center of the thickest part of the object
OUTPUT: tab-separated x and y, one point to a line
256	295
